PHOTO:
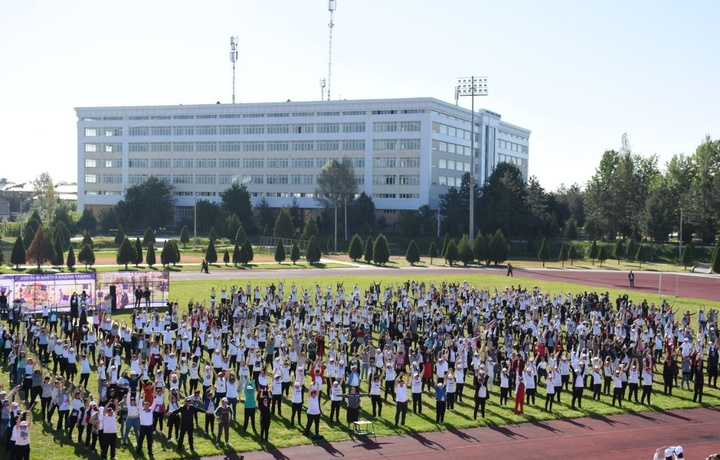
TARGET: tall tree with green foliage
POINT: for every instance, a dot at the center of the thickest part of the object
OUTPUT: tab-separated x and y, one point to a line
244	257
563	256
18	256
29	236
138	252
249	251
381	250
572	253
688	255
498	247
233	225
167	255
451	253
126	253
87	256
570	231
715	261
236	257
312	252
211	255
240	236
184	236
413	253
87	239
176	255
149	237
119	236
619	252
602	254
62	231
329	246
630	250
311	229
480	248
284	227
355	251
212	236
41	250
71	259
465	250
336	184
594	251
148	204
150	258
295	253
446	242
544	254
368	254
280	252
641	256
59	259
87	221
432	251
226	257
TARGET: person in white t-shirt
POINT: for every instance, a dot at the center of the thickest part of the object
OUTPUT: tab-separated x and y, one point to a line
21	436
401	399
313	411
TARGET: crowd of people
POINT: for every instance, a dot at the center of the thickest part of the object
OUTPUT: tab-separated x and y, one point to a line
249	352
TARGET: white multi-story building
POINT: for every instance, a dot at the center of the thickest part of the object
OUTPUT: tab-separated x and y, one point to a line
406	152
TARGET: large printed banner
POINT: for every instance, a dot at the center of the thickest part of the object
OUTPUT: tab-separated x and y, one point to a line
158	283
34	291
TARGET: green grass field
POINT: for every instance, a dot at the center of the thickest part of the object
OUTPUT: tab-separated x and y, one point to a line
49	444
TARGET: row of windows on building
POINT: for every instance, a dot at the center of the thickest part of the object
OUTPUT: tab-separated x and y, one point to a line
248	163
300	128
254	115
515	147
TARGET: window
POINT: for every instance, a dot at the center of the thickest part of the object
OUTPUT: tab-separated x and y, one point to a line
112	178
205	116
113	132
277	163
206	130
302	179
138	147
354	145
451	164
358	162
410	126
90	163
113	148
253	146
182	179
384	180
410	144
253	163
182	117
328	145
113	163
360	180
139	131
354	112
328	114
442	180
91	132
383	195
139	163
302	146
278	129
91	147
205	146
229	130
384	162
138	117
253	129
253	115
383	112
276	146
409	179
90	178
278	115
224	179
409	162
302	163
328	128
182	163
354	127
303	129
205	179
229	146
136	179
385	126
184	130
228	163
384	144
183	147
442	164
160	147
257	179
408	195
160	131
321	162
279	179
205	163
160	163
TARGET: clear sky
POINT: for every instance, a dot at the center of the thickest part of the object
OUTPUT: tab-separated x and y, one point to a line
579	74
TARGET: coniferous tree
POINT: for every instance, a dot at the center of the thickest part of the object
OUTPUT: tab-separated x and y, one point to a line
41	250
59	259
240	236
445	244
62	231
572	253
602	255
185	236
138	252
280	252
631	250
413	253
87	256
312	253
544	253
715	261
87	239
175	252
119	236
465	251
211	255
619	252
226	257
266	230
368	255
212	236
244	258
126	253
284	227
480	248
71	259
249	251
149	237
641	254
311	229
688	255
295	253
498	247
594	251
29	236
563	254
330	245
167	255
355	251
451	253
381	250
150	259
236	257
432	251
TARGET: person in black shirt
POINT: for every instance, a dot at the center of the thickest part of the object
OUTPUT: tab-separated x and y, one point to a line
186	413
265	415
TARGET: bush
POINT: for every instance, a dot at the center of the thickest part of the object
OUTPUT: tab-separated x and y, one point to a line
355	251
451	253
381	250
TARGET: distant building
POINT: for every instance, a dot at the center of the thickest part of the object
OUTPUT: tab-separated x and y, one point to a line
4	208
406	152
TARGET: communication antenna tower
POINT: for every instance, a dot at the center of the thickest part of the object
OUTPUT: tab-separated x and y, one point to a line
322	89
233	59
331	8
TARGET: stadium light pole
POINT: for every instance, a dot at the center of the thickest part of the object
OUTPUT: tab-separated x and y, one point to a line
471	86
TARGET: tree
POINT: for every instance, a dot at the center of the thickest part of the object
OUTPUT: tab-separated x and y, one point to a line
149	237
150	259
17	257
236	257
311	229
409	222
446	242
87	239
570	231
641	254
451	254
295	253
360	212
355	251
119	236
240	236
368	255
29	236
498	247
619	252
688	255
244	258
126	253
529	247
280	252
572	253
284	227
63	233
233	224
249	251
87	221
236	200
175	251
71	259
138	252
503	203
329	246
630	250
46	198
211	255
167	255
312	252
413	253
335	184
41	249
715	261
266	230
594	252
563	254
432	251
480	248
212	236
87	256
59	259
264	216
184	236
544	254
381	250
149	204
602	255
226	257
465	252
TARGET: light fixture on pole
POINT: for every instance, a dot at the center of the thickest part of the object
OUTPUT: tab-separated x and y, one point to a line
471	86
195	222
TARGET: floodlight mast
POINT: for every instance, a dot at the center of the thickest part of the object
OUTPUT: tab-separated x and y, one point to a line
233	59
331	7
471	86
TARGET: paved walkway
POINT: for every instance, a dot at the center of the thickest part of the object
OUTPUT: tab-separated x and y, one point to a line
633	436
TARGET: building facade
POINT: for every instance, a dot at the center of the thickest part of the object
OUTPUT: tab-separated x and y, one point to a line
406	152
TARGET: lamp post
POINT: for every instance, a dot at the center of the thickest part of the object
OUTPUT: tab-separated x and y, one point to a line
195	222
471	86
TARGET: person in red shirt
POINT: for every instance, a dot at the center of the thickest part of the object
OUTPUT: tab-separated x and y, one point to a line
520	396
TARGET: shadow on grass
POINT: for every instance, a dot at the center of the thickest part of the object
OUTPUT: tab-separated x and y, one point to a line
672	414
